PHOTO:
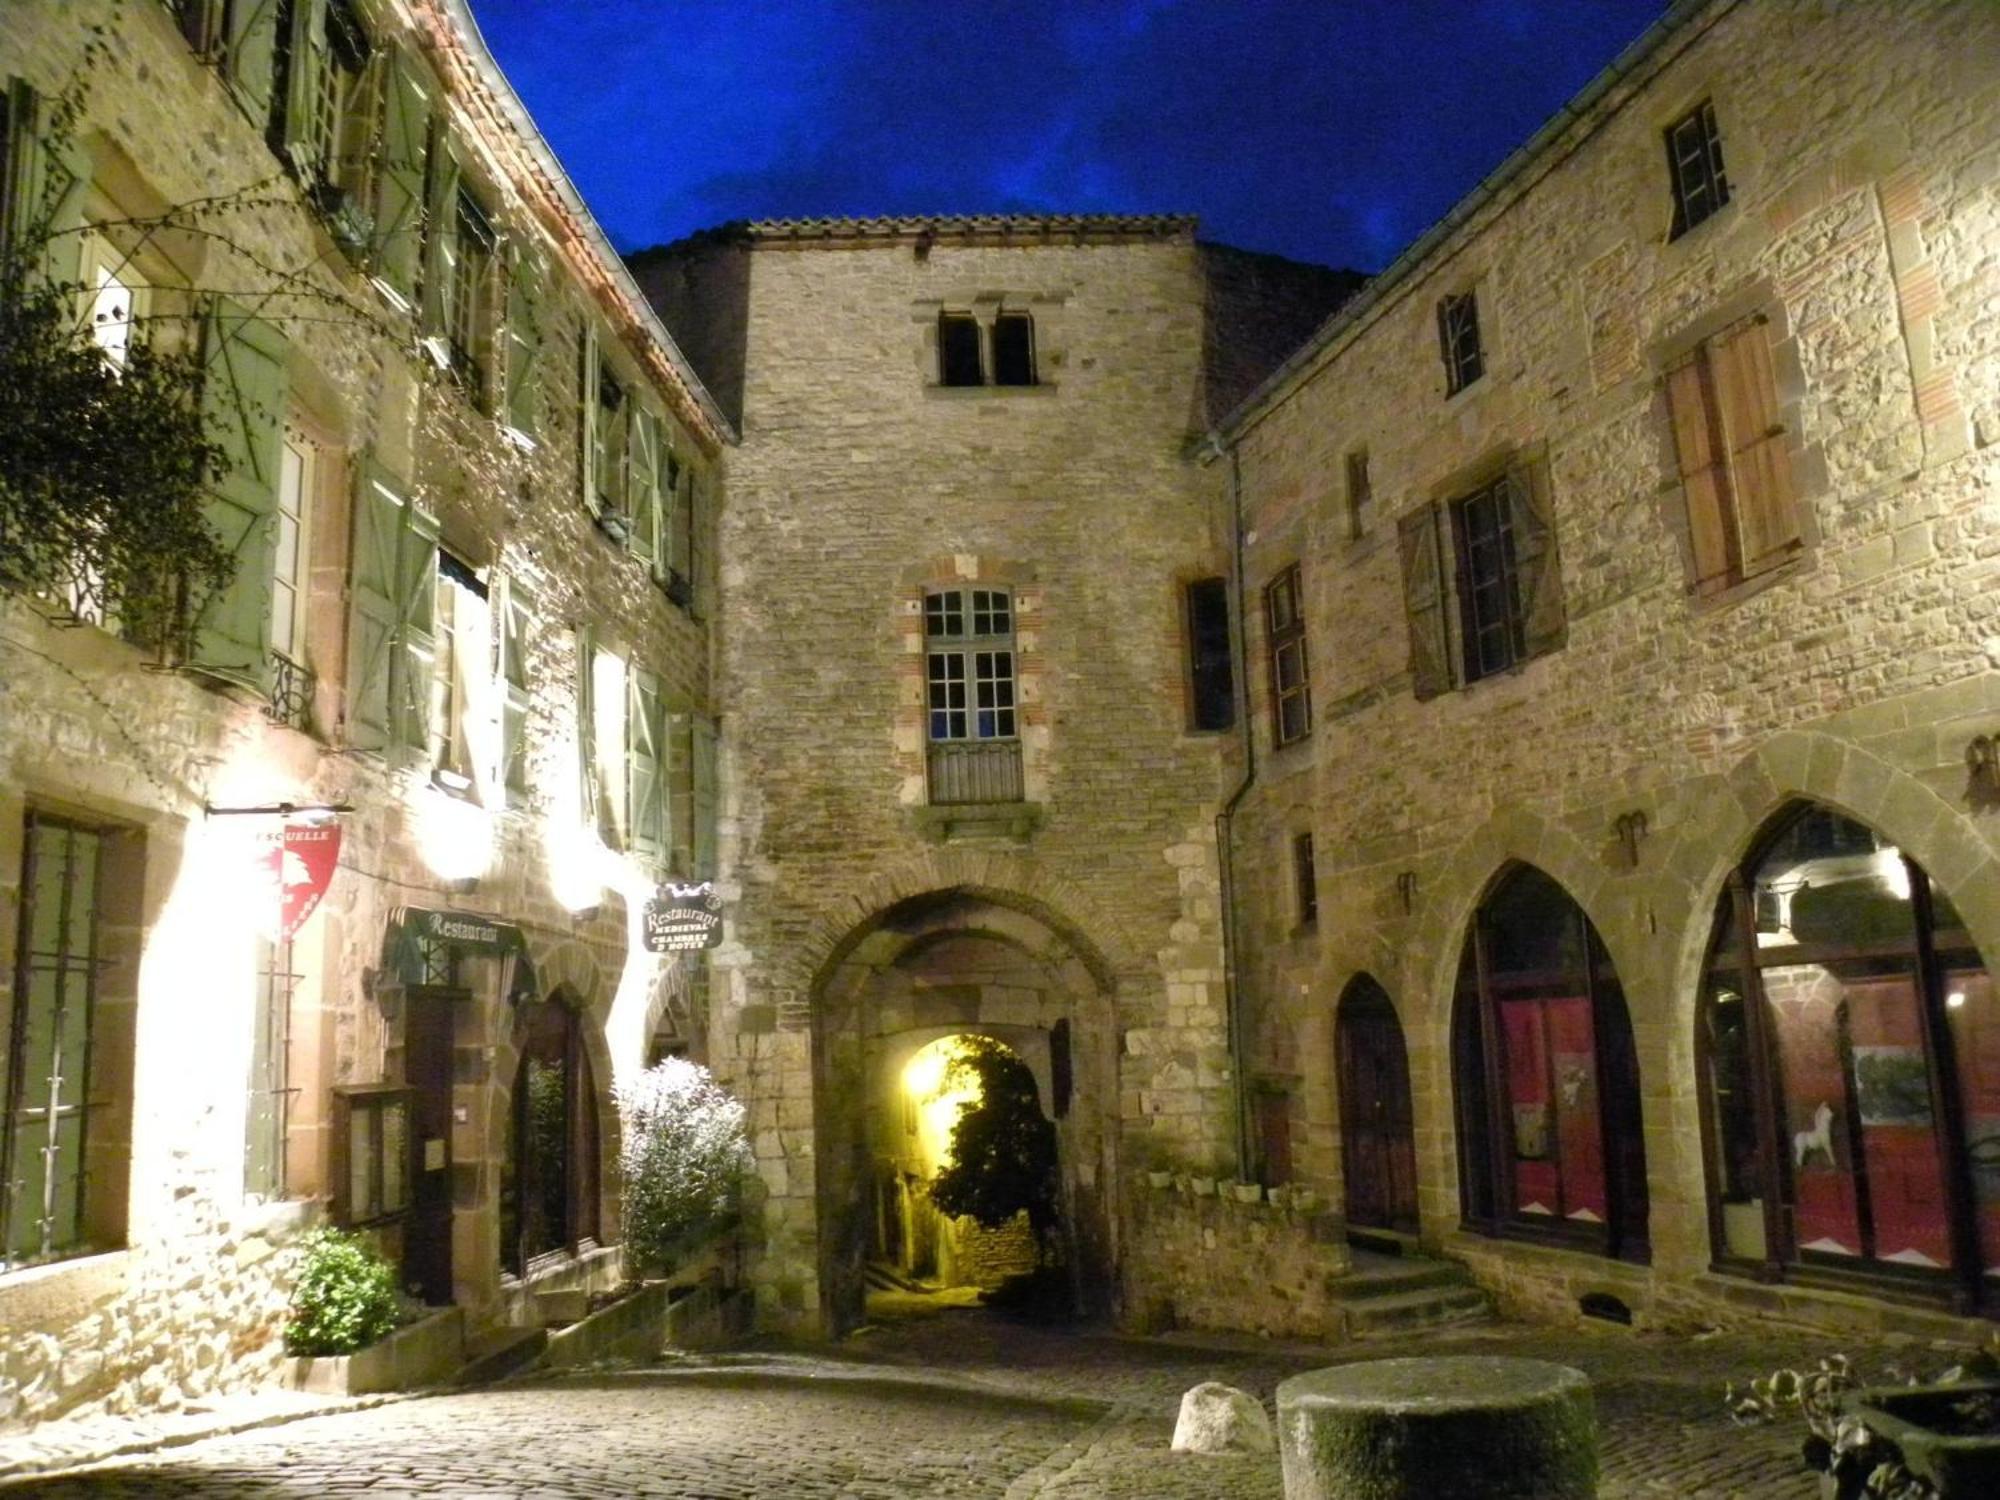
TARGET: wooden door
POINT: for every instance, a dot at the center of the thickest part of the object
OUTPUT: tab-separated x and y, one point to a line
1377	1143
427	1036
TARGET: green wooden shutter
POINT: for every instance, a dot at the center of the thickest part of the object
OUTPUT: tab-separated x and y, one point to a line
306	62
524	342
645	802
396	247
512	631
441	250
586	722
251	56
706	733
243	411
643	484
48	177
1535	563
586	385
415	660
1424	601
379	508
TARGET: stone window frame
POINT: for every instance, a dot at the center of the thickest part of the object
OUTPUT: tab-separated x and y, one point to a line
1807	460
1700	157
1358	492
1462	340
1305	882
985	308
1209	660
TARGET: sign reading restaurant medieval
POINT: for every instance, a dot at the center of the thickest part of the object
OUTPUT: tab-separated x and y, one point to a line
683	919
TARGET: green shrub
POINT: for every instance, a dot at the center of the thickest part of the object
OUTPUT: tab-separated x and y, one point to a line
684	1158
345	1298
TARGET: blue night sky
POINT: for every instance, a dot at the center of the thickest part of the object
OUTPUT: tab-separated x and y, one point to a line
1327	130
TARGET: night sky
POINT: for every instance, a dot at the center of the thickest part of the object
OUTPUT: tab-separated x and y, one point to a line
1327	130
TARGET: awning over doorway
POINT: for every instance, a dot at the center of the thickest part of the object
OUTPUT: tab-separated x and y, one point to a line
420	942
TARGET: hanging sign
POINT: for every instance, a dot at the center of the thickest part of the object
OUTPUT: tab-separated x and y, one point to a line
682	919
299	860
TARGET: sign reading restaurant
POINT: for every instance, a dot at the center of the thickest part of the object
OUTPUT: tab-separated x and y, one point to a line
682	919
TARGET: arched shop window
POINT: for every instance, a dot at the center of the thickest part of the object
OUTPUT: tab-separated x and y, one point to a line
549	1191
1851	1069
1547	1082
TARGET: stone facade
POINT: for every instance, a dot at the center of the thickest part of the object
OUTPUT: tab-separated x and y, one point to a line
456	432
1637	760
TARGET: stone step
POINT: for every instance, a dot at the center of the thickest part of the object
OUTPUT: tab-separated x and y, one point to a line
1428	1308
500	1353
1375	1276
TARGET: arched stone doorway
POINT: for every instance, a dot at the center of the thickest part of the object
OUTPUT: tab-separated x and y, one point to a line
949	962
1545	1076
550	1184
1377	1138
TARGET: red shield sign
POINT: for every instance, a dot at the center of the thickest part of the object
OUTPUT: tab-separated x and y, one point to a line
301	861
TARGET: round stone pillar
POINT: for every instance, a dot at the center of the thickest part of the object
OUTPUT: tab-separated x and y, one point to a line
1469	1427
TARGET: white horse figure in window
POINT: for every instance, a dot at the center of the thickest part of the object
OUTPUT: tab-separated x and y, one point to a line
1819	1138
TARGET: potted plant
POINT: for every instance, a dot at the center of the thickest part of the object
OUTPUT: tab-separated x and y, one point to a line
351	1331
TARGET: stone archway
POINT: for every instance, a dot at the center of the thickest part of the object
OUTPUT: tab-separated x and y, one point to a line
950	961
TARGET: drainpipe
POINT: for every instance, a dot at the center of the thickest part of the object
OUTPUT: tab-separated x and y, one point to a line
1232	990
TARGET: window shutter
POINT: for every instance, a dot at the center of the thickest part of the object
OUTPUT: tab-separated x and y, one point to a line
441	250
47	180
371	608
704	811
674	544
1536	567
524	341
415	660
305	69
399	184
1423	601
1704	482
697	549
243	411
251	57
515	622
644	795
1766	513
643	464
587	370
586	722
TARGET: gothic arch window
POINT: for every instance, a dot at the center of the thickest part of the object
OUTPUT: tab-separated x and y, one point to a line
1850	1069
549	1189
1547	1081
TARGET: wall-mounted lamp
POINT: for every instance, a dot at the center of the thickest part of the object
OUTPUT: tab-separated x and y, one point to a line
1406	890
1630	828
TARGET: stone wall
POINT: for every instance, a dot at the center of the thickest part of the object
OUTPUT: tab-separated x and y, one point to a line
1202	1257
1860	157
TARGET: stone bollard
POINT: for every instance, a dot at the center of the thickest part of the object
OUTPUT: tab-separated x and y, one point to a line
1468	1427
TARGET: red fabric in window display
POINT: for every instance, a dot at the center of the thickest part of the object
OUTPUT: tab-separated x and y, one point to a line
1579	1134
1804	1006
1975	1038
1892	1087
1537	1184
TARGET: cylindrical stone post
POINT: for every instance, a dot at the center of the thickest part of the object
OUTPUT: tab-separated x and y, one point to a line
1468	1427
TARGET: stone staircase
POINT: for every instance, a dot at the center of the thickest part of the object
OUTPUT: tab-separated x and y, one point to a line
1391	1294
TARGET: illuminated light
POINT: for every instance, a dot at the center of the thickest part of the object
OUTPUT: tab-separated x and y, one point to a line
1954	1000
1894	874
454	835
934	1093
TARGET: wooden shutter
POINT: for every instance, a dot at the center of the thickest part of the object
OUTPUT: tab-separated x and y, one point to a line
705	799
1424	601
1537	569
441	250
415	661
1704	477
645	795
306	62
587	371
674	544
512	628
1760	469
524	341
48	177
395	251
586	722
642	461
696	523
680	784
243	412
250	59
371	607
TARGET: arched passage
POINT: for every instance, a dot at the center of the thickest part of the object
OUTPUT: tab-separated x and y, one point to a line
947	962
549	1179
1546	1078
1377	1141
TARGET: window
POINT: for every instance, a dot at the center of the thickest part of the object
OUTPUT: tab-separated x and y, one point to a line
605	420
65	1077
975	751
1013	349
958	350
1458	341
1731	441
1546	1075
114	300
1694	167
1211	674
1305	883
513	624
1847	1027
371	1124
1285	627
291	684
460	654
1360	494
469	309
267	1114
1482	589
549	1183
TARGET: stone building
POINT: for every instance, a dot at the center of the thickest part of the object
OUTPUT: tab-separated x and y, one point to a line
470	489
1618	875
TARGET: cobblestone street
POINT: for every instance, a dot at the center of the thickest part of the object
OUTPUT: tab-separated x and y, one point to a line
955	1403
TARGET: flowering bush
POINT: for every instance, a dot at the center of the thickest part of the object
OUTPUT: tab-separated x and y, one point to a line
345	1298
684	1157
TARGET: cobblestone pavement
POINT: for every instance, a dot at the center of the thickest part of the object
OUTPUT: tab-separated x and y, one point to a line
957	1403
